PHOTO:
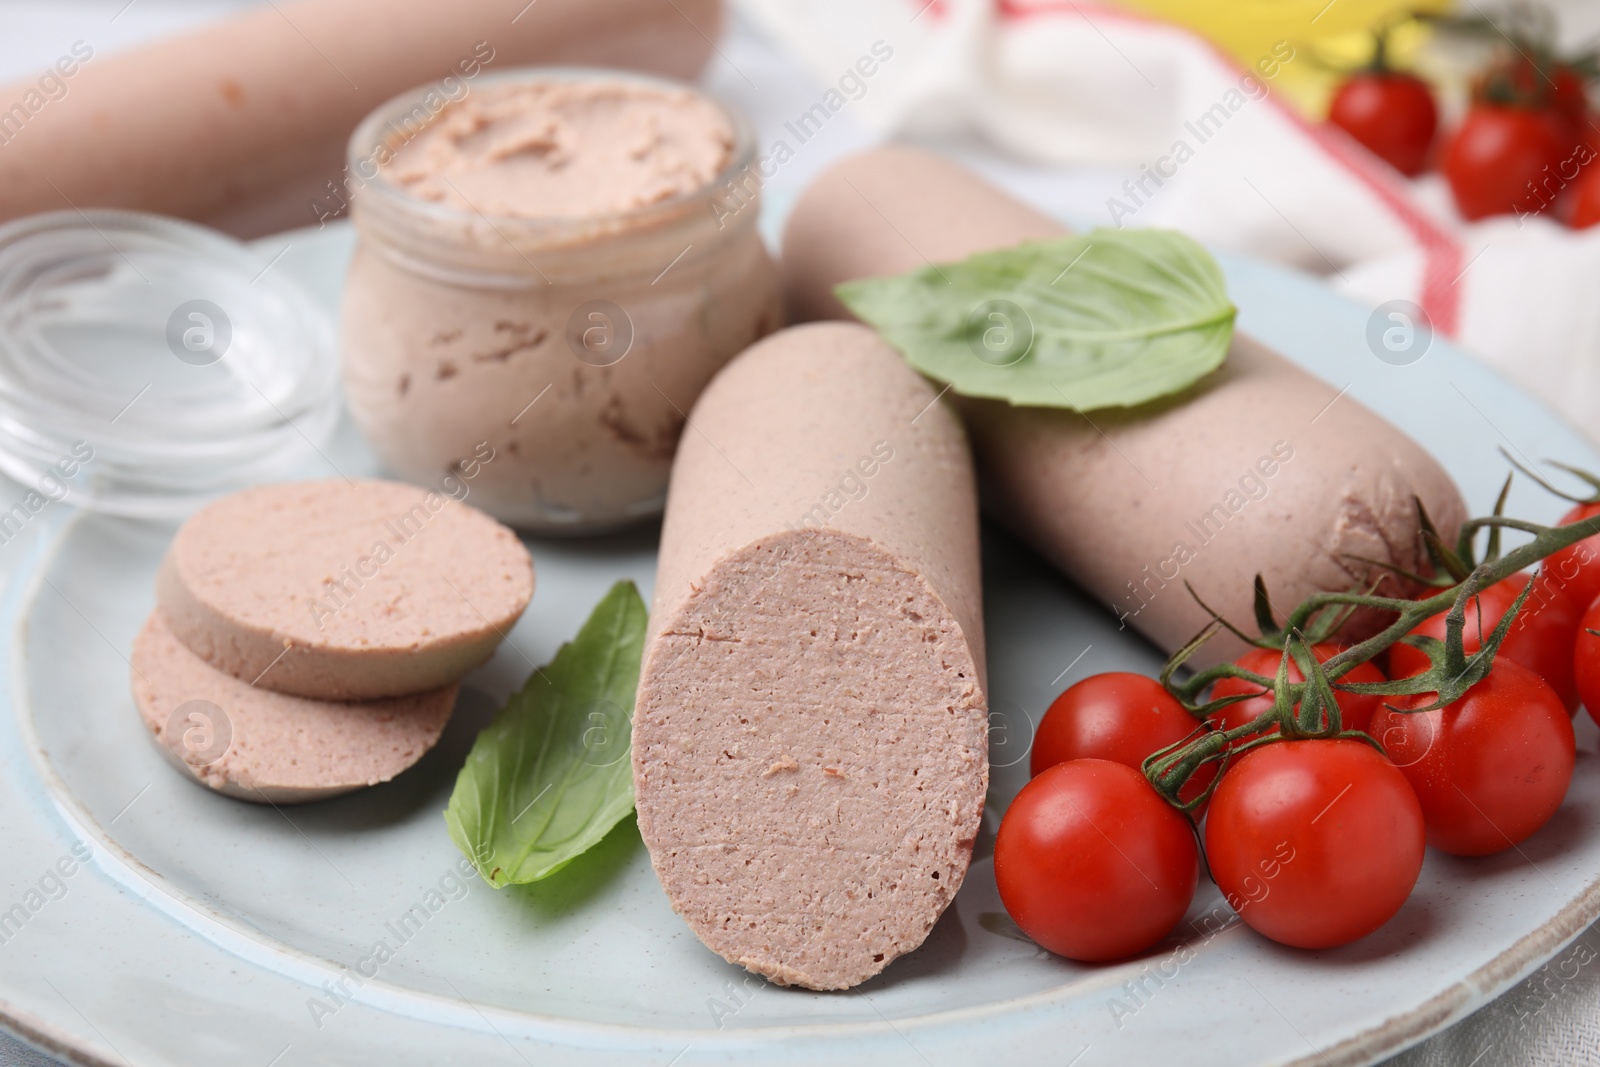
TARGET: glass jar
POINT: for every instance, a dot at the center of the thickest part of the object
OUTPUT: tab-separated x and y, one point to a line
149	365
555	361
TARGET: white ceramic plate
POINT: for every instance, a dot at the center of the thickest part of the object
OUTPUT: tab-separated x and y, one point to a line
206	931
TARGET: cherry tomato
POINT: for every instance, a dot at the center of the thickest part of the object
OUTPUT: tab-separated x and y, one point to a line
1354	711
1392	114
1496	160
1516	80
1315	843
1092	863
1540	639
1575	570
1586	661
1560	93
1489	769
1570	96
1586	201
1117	716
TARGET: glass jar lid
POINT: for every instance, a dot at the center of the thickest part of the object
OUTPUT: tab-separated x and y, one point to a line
148	364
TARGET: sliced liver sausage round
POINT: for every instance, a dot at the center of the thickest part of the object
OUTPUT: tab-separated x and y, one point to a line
268	747
809	745
1260	468
338	590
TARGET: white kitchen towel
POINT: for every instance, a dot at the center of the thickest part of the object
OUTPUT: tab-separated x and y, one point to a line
1211	149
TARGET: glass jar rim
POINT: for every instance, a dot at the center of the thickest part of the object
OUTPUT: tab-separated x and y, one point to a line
372	135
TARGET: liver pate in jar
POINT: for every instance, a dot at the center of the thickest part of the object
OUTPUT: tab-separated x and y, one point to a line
548	274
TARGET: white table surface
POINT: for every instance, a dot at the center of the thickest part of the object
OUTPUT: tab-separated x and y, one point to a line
1552	1018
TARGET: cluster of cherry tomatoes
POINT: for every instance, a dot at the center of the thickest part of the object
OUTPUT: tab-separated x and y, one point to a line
1314	842
1524	146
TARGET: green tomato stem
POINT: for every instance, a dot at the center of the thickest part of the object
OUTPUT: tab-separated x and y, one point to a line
1309	708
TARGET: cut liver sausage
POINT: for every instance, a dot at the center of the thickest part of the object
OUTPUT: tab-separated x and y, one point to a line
339	590
1139	500
263	746
810	744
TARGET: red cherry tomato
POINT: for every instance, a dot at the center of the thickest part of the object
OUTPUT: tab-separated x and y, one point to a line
1586	661
1392	114
1496	160
1315	843
1117	716
1570	96
1586	200
1575	570
1489	769
1354	711
1092	863
1517	80
1540	639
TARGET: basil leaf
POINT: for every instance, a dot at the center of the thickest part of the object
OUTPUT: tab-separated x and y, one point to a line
553	773
1112	318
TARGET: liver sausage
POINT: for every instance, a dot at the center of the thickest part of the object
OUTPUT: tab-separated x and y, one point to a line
339	590
810	739
1261	467
254	744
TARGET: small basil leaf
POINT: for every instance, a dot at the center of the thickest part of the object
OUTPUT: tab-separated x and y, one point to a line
1112	318
553	773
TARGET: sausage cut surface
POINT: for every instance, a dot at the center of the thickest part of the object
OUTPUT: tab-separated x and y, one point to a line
810	737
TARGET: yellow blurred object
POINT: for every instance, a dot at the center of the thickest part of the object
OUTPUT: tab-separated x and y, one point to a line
1336	34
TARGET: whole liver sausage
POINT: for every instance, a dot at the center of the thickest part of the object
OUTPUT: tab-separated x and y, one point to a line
810	749
242	124
254	744
339	590
1261	467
